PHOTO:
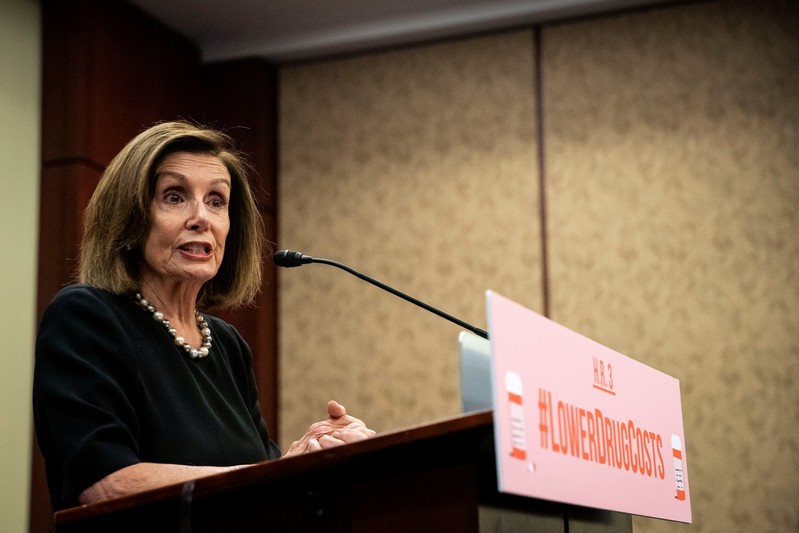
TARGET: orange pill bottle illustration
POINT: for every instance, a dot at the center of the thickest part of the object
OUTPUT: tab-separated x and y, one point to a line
513	386
679	473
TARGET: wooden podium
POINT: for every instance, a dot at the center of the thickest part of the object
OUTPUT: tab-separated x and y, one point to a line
435	477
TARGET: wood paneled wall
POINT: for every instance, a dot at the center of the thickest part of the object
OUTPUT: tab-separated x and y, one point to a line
109	71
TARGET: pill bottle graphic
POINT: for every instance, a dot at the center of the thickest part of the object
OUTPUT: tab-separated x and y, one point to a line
679	474
513	385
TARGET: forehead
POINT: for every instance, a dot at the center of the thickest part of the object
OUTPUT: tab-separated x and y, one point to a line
186	165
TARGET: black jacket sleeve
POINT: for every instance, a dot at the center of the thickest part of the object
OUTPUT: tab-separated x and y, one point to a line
85	390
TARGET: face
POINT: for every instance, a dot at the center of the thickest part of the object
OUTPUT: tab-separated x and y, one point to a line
189	220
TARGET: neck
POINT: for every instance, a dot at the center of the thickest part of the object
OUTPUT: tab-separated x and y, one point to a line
177	301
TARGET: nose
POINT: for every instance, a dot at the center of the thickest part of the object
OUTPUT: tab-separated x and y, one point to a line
198	217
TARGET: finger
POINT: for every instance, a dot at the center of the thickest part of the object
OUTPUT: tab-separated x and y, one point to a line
354	423
335	409
327	441
353	435
329	426
313	445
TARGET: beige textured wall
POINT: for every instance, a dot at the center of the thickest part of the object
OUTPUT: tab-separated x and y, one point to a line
416	167
672	185
673	181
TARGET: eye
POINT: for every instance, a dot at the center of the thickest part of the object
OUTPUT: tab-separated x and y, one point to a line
172	197
218	202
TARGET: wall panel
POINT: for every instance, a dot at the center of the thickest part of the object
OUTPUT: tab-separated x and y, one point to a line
417	167
672	186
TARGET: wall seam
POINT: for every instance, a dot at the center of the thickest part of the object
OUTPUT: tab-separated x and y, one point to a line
540	153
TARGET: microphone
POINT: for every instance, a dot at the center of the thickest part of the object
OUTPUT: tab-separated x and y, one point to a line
290	258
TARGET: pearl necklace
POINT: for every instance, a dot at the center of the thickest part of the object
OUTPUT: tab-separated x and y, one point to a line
158	316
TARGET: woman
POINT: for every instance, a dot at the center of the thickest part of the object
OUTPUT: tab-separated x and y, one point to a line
133	387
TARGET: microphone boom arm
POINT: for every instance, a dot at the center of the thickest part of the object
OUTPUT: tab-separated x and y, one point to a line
289	258
402	295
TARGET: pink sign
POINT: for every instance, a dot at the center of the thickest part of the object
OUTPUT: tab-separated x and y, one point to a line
579	423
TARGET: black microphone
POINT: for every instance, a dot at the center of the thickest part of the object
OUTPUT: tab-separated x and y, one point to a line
290	258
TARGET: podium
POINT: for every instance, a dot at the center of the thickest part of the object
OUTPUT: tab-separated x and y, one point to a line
438	477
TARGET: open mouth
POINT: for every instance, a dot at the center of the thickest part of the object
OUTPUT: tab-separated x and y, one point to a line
196	248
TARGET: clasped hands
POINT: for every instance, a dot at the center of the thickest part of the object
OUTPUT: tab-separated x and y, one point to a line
338	429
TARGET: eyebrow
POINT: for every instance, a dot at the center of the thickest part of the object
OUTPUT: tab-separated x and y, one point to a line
183	178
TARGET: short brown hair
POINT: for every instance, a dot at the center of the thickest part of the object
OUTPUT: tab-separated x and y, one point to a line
117	219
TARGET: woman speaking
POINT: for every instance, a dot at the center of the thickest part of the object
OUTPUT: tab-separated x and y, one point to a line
134	386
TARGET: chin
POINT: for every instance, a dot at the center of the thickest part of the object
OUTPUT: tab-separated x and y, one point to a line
201	275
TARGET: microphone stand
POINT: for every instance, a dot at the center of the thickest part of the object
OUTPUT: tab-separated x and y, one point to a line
288	258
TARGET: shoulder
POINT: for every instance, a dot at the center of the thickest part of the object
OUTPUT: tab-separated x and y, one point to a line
84	333
75	307
84	295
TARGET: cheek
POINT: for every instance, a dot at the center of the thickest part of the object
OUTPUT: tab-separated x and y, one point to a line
160	237
223	229
220	246
153	248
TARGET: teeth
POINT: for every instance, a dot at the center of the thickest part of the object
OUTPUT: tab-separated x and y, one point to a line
194	249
